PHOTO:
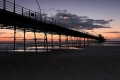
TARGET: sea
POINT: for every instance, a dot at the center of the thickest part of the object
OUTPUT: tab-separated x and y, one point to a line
30	47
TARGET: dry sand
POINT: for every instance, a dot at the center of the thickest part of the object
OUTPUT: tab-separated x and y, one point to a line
90	63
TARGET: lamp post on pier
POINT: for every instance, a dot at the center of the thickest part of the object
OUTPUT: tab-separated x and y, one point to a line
14	6
39	8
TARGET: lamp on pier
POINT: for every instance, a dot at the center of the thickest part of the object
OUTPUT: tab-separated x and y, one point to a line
39	7
14	6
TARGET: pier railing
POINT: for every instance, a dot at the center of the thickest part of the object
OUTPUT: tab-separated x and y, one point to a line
9	6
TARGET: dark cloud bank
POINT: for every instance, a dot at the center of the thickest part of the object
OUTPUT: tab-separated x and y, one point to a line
80	22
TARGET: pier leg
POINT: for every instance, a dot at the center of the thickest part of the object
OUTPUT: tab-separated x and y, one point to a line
35	39
87	41
74	42
71	41
80	42
77	41
52	40
24	40
60	41
14	38
45	41
84	42
67	41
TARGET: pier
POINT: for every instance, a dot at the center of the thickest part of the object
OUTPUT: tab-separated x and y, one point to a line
15	17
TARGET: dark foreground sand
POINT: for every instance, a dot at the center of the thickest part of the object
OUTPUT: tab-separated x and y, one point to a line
91	63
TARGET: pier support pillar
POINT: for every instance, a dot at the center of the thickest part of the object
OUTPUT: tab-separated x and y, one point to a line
24	39
80	42
52	40
35	39
87	41
84	42
45	41
71	43
67	41
60	40
74	42
14	38
77	42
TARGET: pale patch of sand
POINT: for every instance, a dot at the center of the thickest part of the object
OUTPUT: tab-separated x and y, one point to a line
90	63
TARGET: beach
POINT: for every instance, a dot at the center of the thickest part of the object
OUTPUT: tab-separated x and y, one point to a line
96	62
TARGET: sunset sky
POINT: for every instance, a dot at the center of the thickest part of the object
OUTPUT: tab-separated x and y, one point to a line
93	9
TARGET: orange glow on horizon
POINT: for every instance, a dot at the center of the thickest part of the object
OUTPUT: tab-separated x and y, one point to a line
8	35
107	33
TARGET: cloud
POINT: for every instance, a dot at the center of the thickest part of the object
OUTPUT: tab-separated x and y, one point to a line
103	21
52	9
115	32
91	24
37	39
11	37
80	22
2	32
61	11
6	37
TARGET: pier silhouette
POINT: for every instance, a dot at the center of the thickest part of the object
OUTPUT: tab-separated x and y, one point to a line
13	16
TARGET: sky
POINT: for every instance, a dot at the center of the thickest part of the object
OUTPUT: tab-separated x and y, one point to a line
94	10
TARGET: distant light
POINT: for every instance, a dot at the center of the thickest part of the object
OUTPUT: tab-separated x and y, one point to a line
65	17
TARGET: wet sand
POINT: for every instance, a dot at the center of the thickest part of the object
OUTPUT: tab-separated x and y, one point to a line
89	63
